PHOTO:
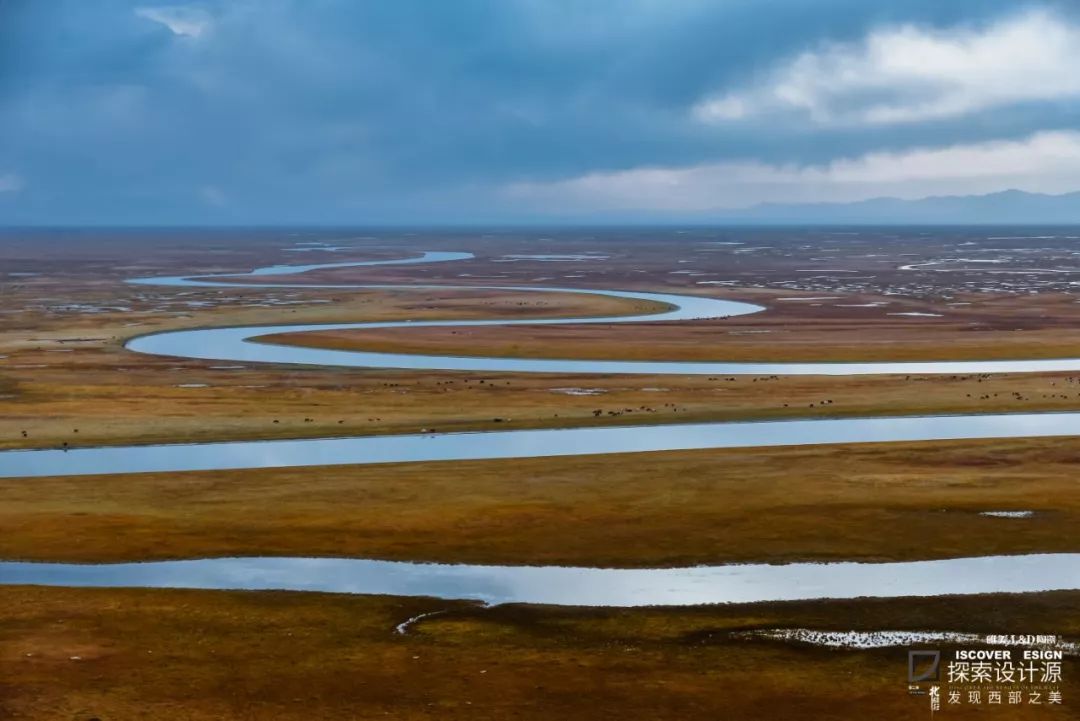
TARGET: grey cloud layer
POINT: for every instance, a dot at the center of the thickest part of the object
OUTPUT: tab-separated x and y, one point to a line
340	111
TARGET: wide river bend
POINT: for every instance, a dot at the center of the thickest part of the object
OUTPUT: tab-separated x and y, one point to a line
538	584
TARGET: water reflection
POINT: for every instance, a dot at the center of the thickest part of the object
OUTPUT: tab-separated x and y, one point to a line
527	444
577	586
234	344
208	280
543	585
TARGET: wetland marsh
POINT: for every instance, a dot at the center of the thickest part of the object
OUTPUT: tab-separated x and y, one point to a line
710	502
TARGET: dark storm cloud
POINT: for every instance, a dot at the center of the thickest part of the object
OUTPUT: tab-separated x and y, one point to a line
337	110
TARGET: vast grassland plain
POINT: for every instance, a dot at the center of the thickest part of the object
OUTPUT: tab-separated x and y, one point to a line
66	380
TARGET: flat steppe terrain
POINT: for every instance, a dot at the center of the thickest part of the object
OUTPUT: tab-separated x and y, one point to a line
871	502
195	656
120	654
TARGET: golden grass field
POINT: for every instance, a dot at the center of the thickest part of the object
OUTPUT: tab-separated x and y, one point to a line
70	380
788	330
196	656
66	379
872	502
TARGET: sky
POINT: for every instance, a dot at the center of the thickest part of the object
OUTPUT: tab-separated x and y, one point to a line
428	111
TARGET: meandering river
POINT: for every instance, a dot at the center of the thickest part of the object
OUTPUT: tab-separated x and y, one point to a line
554	585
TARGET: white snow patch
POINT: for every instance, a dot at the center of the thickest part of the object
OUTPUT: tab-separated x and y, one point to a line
579	391
886	639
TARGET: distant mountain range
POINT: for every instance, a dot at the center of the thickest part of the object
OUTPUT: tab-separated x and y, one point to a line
1009	207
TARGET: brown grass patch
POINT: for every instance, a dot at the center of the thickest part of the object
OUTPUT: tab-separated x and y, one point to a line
197	656
871	502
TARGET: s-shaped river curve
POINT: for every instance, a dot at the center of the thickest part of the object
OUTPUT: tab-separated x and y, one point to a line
242	344
553	585
236	343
